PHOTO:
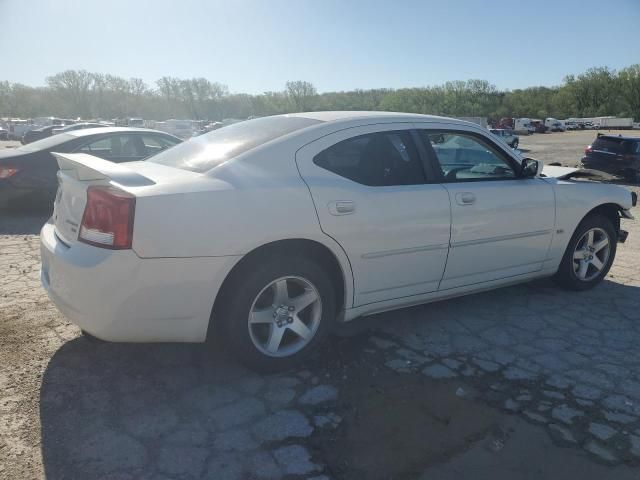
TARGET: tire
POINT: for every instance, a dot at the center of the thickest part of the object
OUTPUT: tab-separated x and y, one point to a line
570	270
253	294
515	144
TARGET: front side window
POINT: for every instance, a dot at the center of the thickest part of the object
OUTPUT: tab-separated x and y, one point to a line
155	144
377	159
465	157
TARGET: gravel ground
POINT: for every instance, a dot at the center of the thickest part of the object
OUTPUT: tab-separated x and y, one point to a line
523	382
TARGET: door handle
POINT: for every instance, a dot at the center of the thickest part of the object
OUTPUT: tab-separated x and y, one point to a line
465	198
341	207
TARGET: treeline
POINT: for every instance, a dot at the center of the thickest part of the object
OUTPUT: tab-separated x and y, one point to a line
78	93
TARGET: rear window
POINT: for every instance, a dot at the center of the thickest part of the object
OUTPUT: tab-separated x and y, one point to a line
613	145
205	152
45	143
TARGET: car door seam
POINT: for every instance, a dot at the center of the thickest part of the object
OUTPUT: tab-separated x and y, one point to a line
401	251
500	238
315	208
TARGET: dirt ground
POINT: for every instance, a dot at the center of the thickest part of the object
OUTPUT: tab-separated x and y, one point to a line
525	382
567	147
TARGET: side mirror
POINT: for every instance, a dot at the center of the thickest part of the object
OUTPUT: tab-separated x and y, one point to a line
530	168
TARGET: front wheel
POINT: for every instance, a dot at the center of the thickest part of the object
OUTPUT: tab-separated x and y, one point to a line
589	255
278	312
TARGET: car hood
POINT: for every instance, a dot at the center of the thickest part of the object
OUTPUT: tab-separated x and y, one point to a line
565	173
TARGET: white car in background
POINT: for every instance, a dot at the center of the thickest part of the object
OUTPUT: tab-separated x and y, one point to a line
269	231
507	135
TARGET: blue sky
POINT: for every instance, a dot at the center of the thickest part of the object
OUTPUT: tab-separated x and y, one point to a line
254	46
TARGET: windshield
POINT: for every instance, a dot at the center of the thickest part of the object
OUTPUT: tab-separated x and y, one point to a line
205	152
45	143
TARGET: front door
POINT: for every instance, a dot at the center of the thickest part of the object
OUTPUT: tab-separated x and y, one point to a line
369	188
502	225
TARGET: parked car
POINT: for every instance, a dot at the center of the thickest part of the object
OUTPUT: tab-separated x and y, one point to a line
268	231
509	136
4	134
38	134
614	154
77	126
28	173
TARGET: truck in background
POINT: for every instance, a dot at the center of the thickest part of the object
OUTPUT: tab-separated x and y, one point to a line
523	126
554	125
482	121
613	123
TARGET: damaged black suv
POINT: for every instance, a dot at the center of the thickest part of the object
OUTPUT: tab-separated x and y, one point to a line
616	155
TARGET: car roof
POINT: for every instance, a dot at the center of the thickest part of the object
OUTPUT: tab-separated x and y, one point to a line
618	137
103	130
336	116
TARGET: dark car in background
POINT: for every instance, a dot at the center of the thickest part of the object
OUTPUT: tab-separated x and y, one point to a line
616	155
28	173
38	134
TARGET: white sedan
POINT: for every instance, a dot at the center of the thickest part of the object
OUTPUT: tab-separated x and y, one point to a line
271	230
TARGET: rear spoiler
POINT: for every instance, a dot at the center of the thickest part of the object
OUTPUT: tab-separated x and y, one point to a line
83	167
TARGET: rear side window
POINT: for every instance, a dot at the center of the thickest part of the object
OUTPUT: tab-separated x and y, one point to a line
205	152
612	145
377	159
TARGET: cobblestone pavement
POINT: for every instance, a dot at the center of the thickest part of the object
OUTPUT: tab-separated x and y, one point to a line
560	362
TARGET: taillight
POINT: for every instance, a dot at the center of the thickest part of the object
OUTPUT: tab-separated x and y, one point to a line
108	218
6	172
588	149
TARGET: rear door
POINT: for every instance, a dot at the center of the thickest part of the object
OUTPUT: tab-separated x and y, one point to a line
371	195
502	225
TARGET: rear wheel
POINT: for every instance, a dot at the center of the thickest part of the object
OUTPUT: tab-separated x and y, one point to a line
589	255
277	312
515	144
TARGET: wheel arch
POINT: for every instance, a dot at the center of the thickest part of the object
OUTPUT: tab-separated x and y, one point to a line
608	210
326	257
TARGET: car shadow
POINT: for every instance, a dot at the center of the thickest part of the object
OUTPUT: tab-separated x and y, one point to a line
22	223
101	403
112	408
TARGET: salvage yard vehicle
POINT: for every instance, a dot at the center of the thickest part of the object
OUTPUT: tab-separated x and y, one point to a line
614	154
269	231
38	134
508	136
28	173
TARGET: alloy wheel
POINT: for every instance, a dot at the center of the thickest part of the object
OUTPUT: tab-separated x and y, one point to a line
591	254
285	316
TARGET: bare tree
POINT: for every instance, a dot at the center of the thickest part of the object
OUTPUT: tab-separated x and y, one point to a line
73	86
301	94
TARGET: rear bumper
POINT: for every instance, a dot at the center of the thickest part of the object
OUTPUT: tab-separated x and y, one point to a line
117	296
